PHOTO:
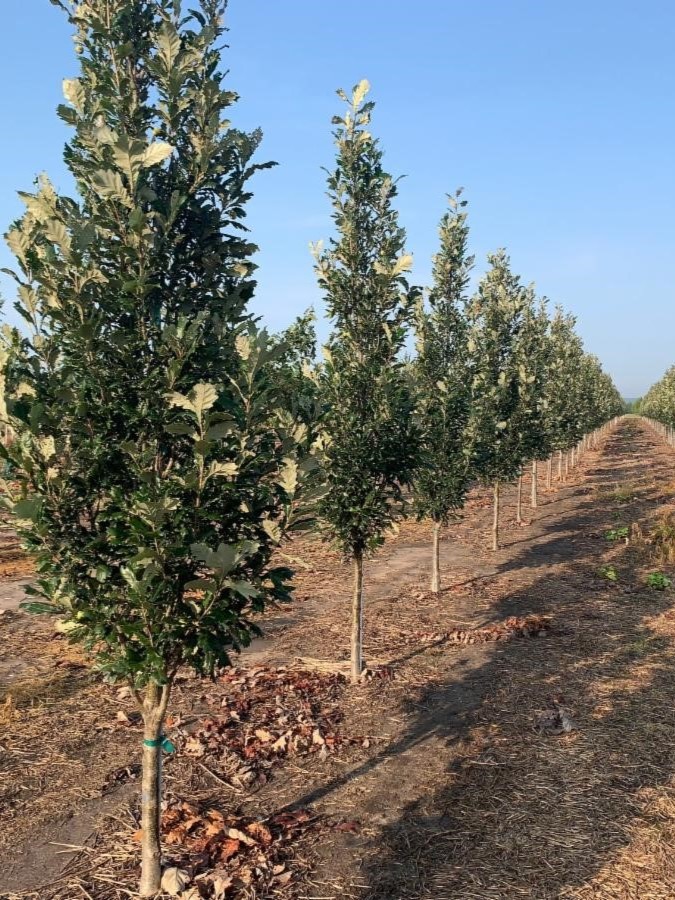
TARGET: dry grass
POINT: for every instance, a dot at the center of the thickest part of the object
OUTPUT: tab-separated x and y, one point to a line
662	538
618	493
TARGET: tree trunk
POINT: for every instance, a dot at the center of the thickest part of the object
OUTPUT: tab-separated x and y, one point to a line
495	518
519	501
533	494
357	618
154	710
436	560
549	473
559	465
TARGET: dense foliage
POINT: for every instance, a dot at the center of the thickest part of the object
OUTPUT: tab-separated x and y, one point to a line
155	466
659	401
371	443
442	380
496	319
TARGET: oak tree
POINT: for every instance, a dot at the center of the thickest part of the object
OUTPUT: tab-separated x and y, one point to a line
371	442
442	381
154	471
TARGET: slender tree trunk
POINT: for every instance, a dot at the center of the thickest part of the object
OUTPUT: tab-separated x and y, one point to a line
495	518
357	618
559	465
567	464
154	710
436	559
549	473
533	493
519	502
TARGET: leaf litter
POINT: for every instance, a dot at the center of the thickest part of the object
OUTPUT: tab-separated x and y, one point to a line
262	716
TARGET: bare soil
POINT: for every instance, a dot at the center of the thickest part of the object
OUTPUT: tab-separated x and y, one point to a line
538	765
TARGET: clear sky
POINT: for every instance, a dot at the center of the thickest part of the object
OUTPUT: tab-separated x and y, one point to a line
557	118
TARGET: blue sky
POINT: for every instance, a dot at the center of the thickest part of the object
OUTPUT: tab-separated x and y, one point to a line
558	120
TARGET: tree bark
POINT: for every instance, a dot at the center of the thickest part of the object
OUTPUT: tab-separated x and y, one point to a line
357	618
155	702
559	465
519	501
567	464
549	473
495	518
436	560
533	493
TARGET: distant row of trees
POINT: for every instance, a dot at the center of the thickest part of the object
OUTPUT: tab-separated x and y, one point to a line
659	401
496	383
165	444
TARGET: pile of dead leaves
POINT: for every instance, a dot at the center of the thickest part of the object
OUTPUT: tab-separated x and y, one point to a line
217	856
264	715
513	627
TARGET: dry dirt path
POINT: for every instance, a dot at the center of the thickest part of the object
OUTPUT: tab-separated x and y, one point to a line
480	794
463	787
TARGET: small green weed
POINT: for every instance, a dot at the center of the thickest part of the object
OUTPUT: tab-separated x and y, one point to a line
617	534
609	573
658	581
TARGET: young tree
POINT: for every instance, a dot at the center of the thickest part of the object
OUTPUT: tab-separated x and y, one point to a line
495	317
371	441
562	423
294	370
542	439
598	399
154	476
442	381
530	437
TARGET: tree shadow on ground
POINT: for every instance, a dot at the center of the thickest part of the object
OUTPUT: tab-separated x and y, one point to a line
522	809
530	813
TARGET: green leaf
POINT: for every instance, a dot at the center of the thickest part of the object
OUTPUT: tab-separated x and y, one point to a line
168	45
39	607
220	430
181	401
272	530
403	264
244	588
243	345
227	469
74	93
28	509
288	476
57	233
128	155
180	427
156	153
360	92
226	557
129	577
203	396
109	185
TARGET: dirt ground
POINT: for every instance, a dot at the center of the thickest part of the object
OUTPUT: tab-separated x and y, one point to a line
516	737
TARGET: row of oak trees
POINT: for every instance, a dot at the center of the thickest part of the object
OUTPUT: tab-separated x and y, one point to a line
164	444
